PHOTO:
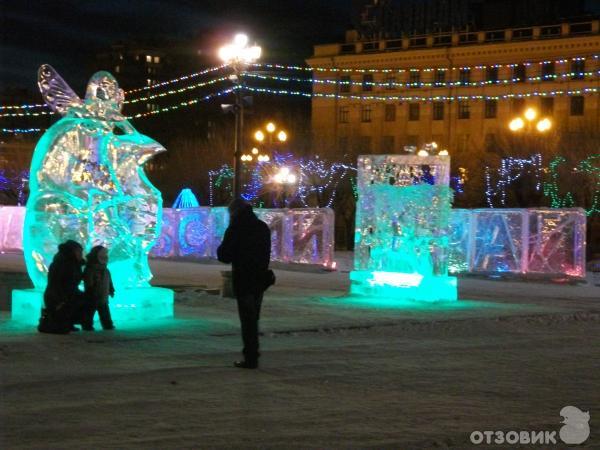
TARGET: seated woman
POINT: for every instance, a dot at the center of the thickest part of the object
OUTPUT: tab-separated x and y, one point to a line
63	301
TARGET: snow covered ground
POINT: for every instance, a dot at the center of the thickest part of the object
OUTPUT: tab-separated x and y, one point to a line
335	373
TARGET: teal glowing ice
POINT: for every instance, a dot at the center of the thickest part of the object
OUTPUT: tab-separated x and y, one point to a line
88	184
402	228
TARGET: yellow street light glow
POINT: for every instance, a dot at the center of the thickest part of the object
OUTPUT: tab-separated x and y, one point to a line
530	114
443	153
270	127
282	136
544	125
238	51
423	153
259	136
516	124
291	178
249	158
255	151
266	158
434	145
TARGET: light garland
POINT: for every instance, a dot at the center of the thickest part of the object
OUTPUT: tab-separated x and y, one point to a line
422	69
177	91
177	80
401	85
589	166
20	130
417	98
511	169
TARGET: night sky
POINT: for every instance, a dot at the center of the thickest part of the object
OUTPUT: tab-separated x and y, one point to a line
69	33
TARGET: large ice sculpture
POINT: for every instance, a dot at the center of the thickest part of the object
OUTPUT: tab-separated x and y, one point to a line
402	227
88	184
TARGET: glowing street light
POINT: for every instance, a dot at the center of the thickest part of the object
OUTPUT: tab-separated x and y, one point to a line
422	153
530	114
259	136
516	124
239	55
544	125
270	127
282	136
443	153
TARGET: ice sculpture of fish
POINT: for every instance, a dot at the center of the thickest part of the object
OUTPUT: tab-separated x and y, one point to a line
88	184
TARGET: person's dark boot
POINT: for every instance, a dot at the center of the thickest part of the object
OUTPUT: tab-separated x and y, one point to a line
246	364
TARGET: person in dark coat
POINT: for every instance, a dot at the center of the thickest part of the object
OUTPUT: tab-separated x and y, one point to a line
247	246
98	287
63	301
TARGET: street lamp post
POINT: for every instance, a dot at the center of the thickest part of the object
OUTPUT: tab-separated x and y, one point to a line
527	121
284	178
238	54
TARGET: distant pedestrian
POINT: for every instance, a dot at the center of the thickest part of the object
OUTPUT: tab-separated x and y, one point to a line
63	301
247	246
98	287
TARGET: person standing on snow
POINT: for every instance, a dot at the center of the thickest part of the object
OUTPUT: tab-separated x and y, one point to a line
247	246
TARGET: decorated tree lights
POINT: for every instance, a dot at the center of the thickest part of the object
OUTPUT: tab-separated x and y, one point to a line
88	184
402	225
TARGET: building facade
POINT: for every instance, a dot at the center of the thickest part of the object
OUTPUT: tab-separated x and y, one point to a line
459	89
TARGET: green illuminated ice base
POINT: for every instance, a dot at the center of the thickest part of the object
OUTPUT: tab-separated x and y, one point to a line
127	306
403	286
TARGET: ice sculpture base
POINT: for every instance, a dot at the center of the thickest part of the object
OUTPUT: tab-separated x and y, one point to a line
403	286
129	305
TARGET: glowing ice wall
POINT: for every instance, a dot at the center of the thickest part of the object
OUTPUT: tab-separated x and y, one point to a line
402	228
87	184
298	236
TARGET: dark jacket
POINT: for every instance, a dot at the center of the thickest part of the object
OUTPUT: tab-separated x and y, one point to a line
247	246
64	277
98	283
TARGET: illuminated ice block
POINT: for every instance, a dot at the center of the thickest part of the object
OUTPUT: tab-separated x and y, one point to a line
128	305
281	240
498	241
402	228
88	184
11	228
556	243
459	245
311	236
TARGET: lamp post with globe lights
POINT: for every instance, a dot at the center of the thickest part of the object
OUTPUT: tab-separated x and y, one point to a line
284	178
526	123
239	55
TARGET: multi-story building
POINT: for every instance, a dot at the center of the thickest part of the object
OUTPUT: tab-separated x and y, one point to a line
459	89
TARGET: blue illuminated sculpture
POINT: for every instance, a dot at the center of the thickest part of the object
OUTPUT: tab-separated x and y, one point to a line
88	184
402	228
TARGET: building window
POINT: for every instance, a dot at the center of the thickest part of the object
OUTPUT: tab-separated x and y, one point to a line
517	105
390	82
364	144
149	82
343	114
343	144
117	69
438	110
414	110
345	85
462	143
365	113
578	69
547	106
520	73
491	74
577	105
390	112
414	78
463	109
548	71
412	140
148	58
367	83
491	143
465	77
156	59
491	109
439	77
387	144
137	57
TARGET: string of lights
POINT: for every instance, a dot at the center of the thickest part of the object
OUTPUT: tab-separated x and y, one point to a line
418	98
511	169
590	167
177	91
20	130
177	80
422	69
400	85
184	103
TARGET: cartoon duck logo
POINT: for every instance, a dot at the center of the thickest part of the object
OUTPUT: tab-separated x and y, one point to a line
576	429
